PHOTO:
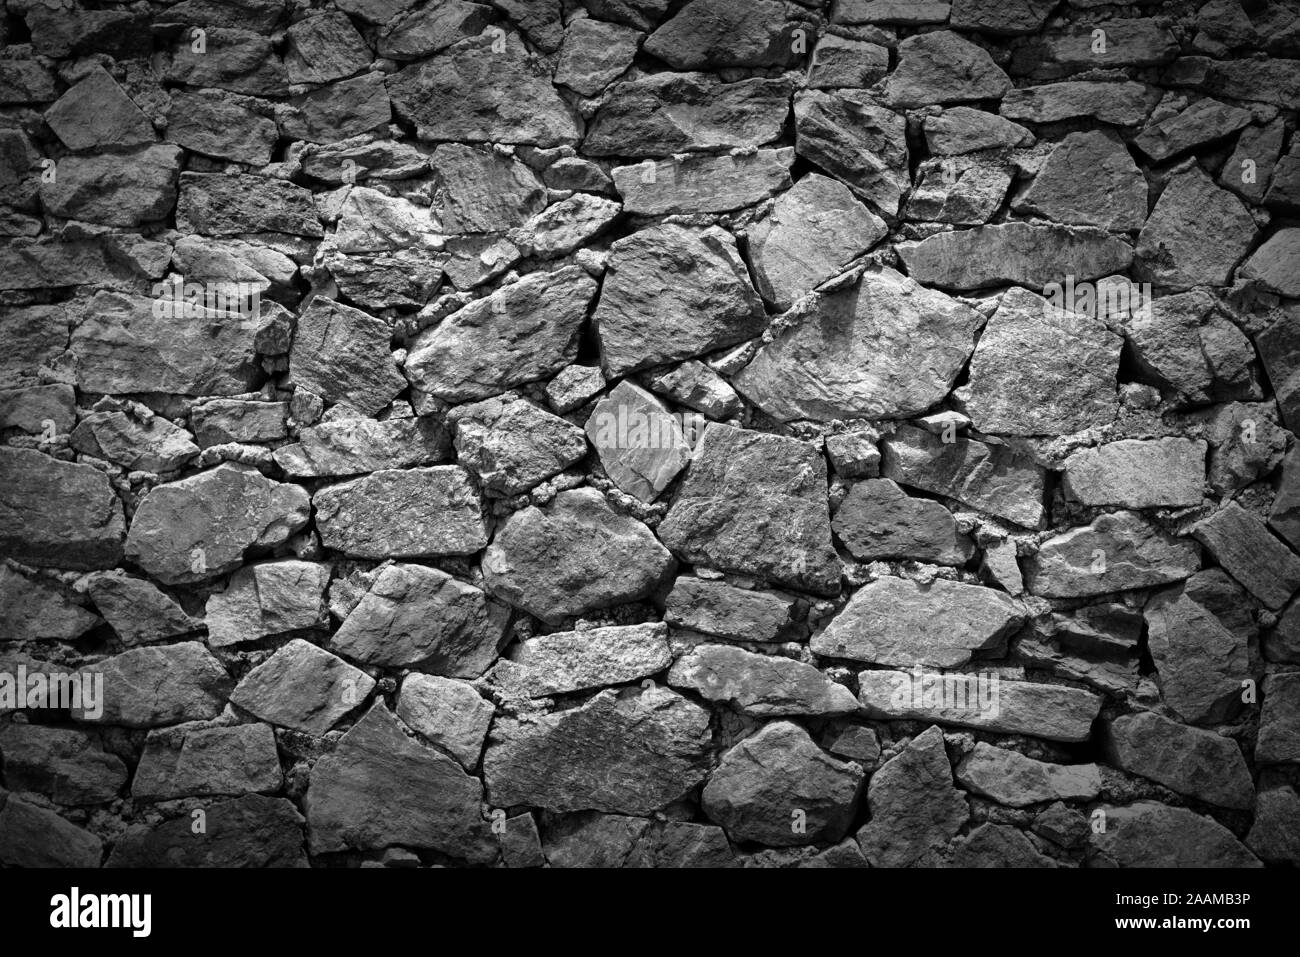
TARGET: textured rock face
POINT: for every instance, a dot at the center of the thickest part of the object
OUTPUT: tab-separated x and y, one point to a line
649	433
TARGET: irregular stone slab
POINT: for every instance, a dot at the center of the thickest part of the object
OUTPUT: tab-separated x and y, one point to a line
342	354
696	386
1202	122
1284	518
57	513
523	331
96	112
641	445
594	54
624	755
778	788
109	261
34	337
1010	778
1191	761
1000	17
247	831
447	713
761	685
1119	104
1273	835
1134	553
844	62
853	137
885	347
893	621
1089	179
513	445
1270	80
371	221
755	504
914	807
29	409
572	556
683	844
941	67
1022	254
1039	370
667	113
902	12
1149	834
570	661
1273	263
715	608
672	293
207	260
877	519
565	226
26	81
1188	345
339	111
116	189
962	191
733	33
703	184
1195	235
964	129
414	615
153	687
997	845
991	478
214	204
66	765
122	344
813	230
232	59
1246	550
354	445
151	445
199	527
597	840
1129	43
471	93
137	610
302	687
1052	712
1246	442
203	762
270	598
33	609
1279	347
402	513
1262	146
415	35
31	836
323	48
481	191
239	420
1136	473
222	125
1279	721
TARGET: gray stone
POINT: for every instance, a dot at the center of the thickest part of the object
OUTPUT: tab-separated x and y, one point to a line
1279	721
57	513
755	504
780	789
35	609
696	386
1000	17
1010	778
239	420
964	129
854	454
683	844
342	354
247	831
1203	122
238	60
1134	553
191	761
96	113
850	135
991	478
1137	473
1025	254
522	332
269	598
572	386
418	616
812	231
915	809
982	702
941	67
402	513
572	556
1119	104
885	347
137	610
1275	833
323	48
66	765
417	34
844	62
1261	146
760	685
118	189
703	184
565	226
1149	834
157	686
513	445
569	661
1195	235
893	621
1191	761
709	34
1244	547
641	445
672	293
964	191
214	204
222	125
877	519
715	608
594	54
199	527
596	840
1091	180
1273	263
150	445
481	191
350	446
302	687
997	845
31	836
447	713
623	754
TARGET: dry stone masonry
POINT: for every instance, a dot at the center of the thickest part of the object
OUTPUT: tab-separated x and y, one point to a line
649	433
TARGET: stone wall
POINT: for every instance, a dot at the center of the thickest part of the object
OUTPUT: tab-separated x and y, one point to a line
644	432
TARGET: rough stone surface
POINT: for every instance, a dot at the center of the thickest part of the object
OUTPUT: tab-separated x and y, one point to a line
914	807
1118	551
